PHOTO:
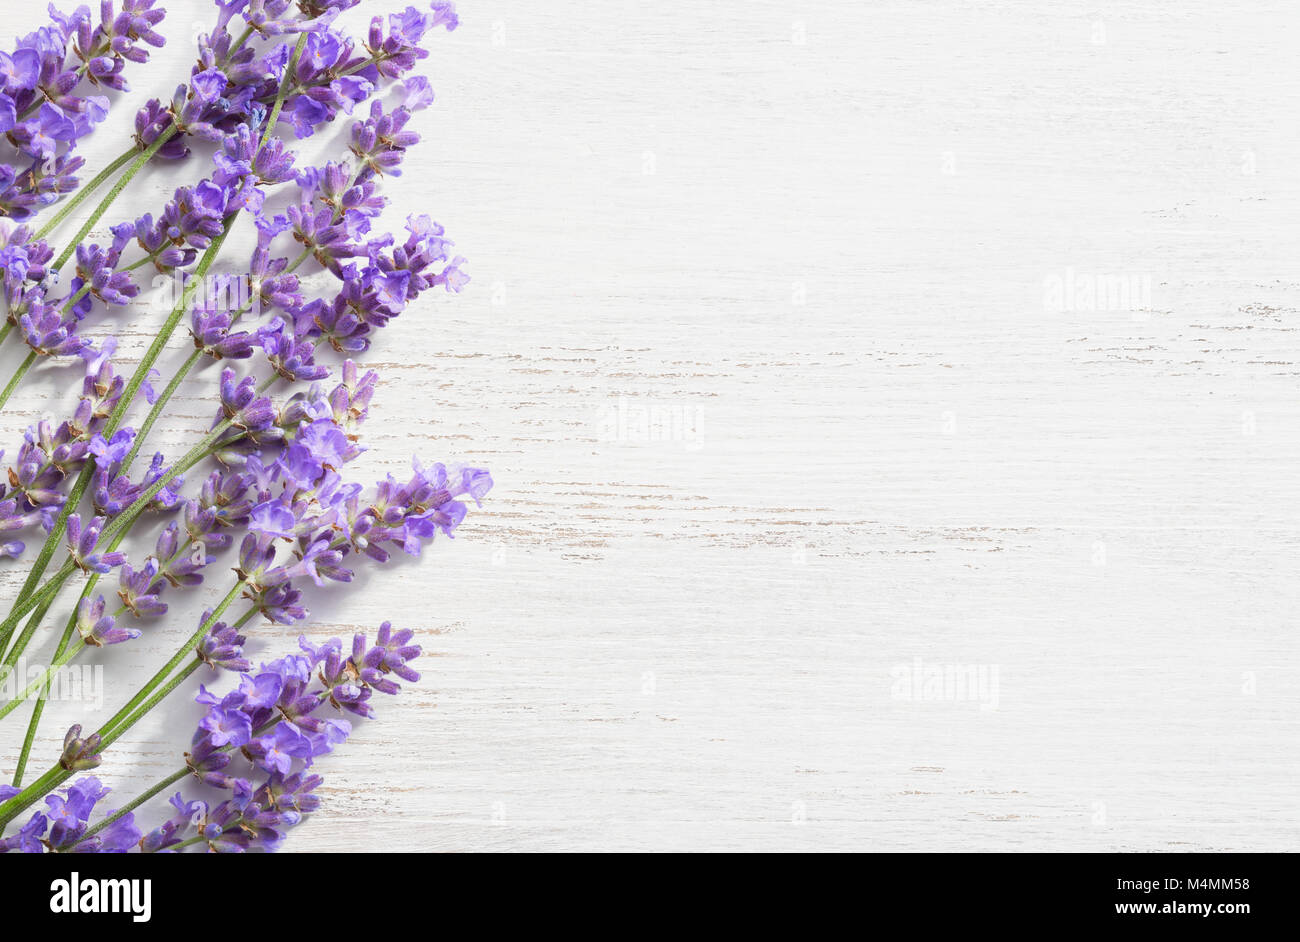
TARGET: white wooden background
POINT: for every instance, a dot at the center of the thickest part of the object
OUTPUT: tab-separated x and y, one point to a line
759	353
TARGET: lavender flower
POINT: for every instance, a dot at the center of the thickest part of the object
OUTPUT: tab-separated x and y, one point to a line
233	85
97	273
268	278
241	405
282	481
51	455
141	590
82	542
293	358
40	110
63	825
23	259
223	647
116	41
48	333
398	47
380	142
97	629
213	335
79	754
25	191
272	721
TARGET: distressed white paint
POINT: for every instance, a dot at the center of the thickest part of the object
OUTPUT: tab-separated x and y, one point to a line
815	243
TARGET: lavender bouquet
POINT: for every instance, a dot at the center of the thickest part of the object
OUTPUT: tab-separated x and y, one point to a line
267	485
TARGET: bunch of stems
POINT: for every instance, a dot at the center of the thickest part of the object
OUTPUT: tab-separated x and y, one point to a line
35	597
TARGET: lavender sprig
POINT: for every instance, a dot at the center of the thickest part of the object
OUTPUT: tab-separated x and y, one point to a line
271	721
401	47
282	481
42	113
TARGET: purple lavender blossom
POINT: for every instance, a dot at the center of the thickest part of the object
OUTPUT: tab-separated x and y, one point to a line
157	243
98	629
398	47
25	191
23	258
42	113
235	83
82	542
116	41
80	755
48	333
223	648
52	455
380	142
177	562
282	479
213	335
141	590
291	357
168	497
241	405
272	721
97	272
65	821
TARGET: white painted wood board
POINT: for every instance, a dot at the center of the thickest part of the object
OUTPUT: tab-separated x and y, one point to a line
812	245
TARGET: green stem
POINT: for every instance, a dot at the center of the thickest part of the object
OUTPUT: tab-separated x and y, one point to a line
168	327
121	721
159	404
112	195
121	524
34	723
28	593
27	364
65	640
21	768
39	596
17	377
81	293
155	789
85	190
239	43
283	93
189	842
142	370
161	693
114	422
40	682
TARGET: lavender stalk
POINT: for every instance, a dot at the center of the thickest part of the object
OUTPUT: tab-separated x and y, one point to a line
287	460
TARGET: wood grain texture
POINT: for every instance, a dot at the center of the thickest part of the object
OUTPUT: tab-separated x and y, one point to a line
763	353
